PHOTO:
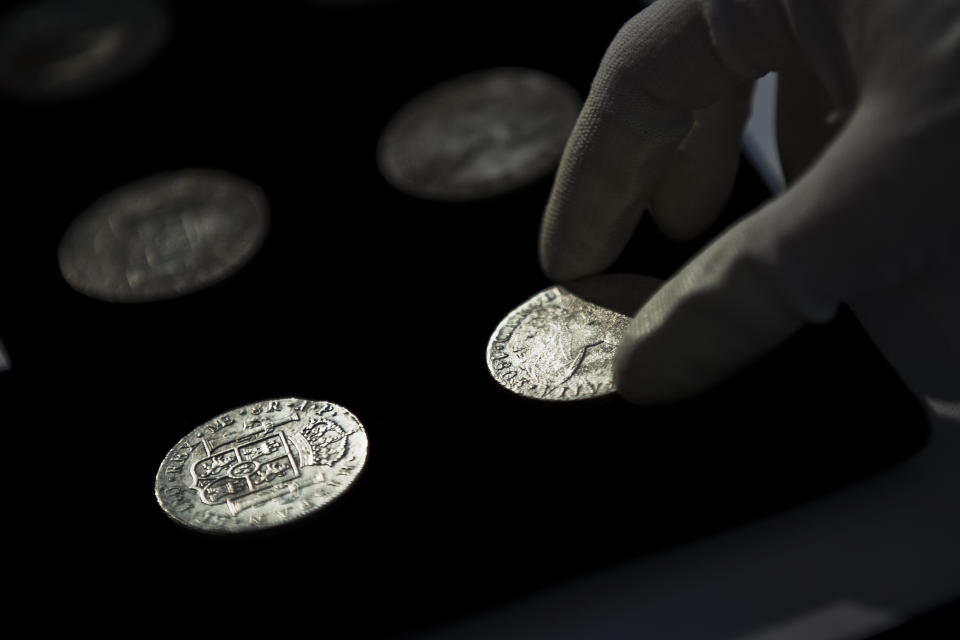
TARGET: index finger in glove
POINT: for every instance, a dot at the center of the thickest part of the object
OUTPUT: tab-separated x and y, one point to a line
666	63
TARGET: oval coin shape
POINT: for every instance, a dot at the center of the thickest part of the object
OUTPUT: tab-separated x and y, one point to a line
261	465
56	49
478	135
164	236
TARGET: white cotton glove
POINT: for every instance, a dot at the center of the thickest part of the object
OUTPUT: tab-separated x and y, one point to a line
873	222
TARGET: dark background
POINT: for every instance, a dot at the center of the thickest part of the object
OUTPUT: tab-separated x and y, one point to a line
382	303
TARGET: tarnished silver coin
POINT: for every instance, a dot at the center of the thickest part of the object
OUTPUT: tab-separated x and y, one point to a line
261	465
63	48
559	345
478	135
164	236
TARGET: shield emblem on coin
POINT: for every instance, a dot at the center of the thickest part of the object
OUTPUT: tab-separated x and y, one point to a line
243	473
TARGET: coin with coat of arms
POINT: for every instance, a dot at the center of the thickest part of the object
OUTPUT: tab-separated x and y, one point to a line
163	236
478	135
559	344
261	465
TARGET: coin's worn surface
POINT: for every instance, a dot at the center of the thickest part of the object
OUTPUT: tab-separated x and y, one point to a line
261	465
478	135
63	48
559	346
164	236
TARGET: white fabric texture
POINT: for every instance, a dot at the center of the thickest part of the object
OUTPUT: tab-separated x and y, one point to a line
873	222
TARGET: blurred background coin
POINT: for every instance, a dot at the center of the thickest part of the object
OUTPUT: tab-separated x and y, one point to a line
164	236
478	135
64	48
261	465
559	344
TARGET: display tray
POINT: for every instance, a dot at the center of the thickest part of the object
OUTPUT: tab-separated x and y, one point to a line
382	303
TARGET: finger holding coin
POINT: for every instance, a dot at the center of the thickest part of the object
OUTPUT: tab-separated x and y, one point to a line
559	345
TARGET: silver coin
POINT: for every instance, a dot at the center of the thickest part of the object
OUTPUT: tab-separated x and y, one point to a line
62	48
559	344
478	135
261	465
164	236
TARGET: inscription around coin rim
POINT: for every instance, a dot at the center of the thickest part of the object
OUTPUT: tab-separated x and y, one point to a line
261	465
505	365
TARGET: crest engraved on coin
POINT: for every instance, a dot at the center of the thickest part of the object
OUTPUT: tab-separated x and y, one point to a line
560	346
63	48
261	465
478	135
164	236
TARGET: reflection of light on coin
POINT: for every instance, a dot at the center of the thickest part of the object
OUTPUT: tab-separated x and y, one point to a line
59	48
164	236
560	346
478	135
261	465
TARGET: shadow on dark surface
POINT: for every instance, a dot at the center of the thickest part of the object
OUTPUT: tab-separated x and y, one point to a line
942	622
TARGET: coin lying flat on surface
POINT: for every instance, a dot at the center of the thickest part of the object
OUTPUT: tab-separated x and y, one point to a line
261	465
559	344
62	48
478	135
164	236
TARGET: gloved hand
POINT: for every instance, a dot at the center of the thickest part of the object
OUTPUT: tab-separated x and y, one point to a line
873	221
